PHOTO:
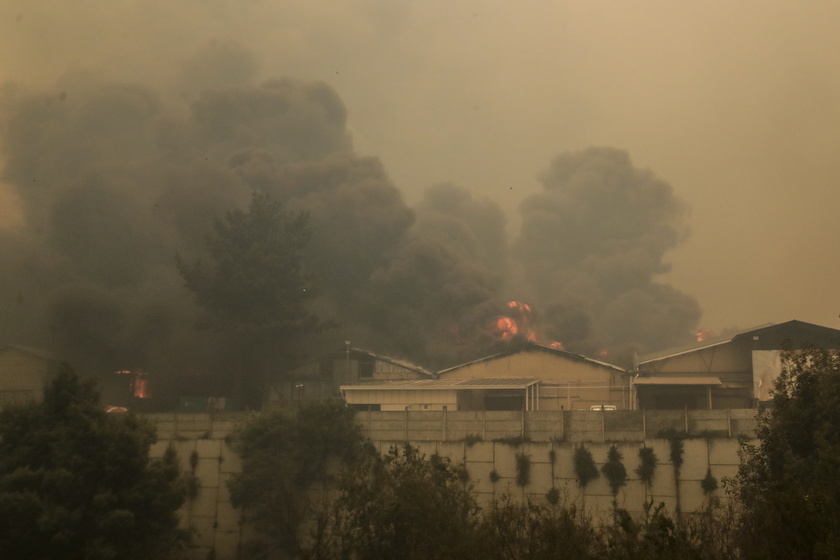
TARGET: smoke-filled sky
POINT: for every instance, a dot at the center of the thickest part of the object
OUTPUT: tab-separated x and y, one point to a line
600	141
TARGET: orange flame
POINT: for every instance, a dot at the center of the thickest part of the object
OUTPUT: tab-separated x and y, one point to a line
523	308
506	328
703	334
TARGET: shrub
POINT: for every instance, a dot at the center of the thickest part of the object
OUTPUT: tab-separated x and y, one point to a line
523	469
614	470
584	466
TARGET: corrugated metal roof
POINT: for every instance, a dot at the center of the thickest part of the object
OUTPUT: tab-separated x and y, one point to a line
764	332
438	384
536	346
674	380
694	347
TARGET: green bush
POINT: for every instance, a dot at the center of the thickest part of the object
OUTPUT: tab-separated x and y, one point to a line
584	466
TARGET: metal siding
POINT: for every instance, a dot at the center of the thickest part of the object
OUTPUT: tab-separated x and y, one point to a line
547	367
565	383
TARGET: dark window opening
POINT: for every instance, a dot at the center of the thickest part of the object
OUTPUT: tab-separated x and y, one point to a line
503	403
366	367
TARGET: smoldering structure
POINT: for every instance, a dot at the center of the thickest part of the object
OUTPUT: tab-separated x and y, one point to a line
118	179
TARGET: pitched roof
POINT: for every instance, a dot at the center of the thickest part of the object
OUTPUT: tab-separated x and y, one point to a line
539	347
441	384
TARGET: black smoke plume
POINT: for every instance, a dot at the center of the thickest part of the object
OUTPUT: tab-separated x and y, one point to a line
117	179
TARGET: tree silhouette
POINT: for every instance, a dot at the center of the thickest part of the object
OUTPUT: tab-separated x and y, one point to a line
255	292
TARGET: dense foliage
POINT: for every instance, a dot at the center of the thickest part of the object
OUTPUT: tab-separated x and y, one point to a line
77	483
787	483
256	292
406	507
291	461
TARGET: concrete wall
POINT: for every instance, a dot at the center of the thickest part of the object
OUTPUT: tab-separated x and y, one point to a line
200	440
569	425
552	466
201	443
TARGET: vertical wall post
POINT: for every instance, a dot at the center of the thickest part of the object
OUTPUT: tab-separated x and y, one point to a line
562	423
603	424
445	421
729	422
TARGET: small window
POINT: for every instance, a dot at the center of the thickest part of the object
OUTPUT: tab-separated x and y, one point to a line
366	367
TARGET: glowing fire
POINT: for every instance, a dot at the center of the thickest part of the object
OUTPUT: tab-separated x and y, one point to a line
703	334
507	327
140	387
138	383
523	308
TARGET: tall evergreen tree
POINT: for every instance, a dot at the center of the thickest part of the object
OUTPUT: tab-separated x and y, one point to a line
255	292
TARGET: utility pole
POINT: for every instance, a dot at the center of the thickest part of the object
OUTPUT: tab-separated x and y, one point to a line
347	368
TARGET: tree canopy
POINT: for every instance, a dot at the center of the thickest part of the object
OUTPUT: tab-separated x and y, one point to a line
787	482
77	483
290	462
405	506
256	291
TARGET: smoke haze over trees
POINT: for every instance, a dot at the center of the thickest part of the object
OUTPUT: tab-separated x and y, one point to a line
115	179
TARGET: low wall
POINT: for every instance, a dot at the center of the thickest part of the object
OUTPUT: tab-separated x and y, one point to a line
551	465
571	426
201	441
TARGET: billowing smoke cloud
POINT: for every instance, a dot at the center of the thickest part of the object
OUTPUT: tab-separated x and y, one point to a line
116	179
592	245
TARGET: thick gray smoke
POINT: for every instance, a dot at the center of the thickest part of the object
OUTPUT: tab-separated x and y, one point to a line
592	245
117	179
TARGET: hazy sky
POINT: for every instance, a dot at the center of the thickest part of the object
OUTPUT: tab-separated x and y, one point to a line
735	104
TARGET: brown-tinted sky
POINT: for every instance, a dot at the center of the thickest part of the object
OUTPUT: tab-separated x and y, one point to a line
735	104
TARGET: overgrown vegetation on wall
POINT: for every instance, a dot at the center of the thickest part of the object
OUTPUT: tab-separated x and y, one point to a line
615	472
523	469
585	468
645	472
676	446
